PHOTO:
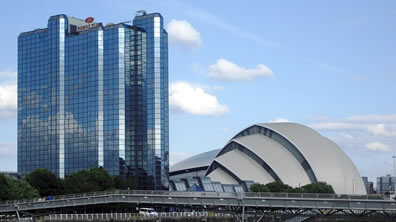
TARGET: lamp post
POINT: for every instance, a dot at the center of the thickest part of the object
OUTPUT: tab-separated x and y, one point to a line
394	168
394	172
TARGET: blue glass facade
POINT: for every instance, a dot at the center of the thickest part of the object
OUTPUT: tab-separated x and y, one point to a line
157	98
82	101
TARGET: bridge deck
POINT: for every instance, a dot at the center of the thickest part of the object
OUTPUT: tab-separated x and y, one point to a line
279	201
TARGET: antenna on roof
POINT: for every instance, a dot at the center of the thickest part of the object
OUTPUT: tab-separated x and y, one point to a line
141	13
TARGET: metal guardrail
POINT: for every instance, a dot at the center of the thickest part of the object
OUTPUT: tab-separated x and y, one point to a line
322	203
201	194
124	216
127	216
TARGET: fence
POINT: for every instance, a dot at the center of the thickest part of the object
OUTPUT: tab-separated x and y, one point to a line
122	216
202	194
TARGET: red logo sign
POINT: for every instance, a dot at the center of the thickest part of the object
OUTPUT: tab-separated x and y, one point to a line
89	19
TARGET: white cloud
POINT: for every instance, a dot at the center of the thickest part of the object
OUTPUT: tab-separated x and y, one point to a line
8	100
372	118
377	146
175	157
348	136
180	32
185	97
8	149
279	120
8	75
379	129
226	70
207	88
352	124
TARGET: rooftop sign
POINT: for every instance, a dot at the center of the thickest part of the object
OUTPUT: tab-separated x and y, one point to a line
85	27
89	19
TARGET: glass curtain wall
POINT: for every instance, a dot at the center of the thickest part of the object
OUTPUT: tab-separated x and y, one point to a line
157	152
95	97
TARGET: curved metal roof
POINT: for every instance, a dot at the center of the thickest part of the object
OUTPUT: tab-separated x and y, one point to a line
249	170
199	160
277	157
297	154
328	161
220	175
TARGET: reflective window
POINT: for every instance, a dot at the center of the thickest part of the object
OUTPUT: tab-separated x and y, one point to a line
180	186
238	188
97	97
156	98
217	187
228	188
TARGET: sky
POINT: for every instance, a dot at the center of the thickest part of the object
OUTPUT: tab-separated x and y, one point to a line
329	65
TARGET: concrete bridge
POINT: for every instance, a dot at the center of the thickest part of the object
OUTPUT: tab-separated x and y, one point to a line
264	203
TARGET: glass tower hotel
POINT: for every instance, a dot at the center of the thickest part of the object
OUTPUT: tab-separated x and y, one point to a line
94	95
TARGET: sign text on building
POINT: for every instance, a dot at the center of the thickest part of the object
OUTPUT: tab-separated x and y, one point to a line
85	27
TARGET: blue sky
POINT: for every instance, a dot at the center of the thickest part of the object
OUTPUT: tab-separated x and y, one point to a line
326	64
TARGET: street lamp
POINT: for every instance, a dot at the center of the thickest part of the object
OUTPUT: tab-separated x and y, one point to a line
394	171
394	168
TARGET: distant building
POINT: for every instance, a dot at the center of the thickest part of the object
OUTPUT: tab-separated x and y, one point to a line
371	188
386	184
368	185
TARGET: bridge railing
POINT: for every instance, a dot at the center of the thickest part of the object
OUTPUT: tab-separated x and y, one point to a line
198	194
315	196
127	216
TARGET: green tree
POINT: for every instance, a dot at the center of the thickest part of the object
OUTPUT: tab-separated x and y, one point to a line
320	187
124	183
19	189
45	182
82	181
78	182
297	190
3	187
279	187
101	178
257	187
